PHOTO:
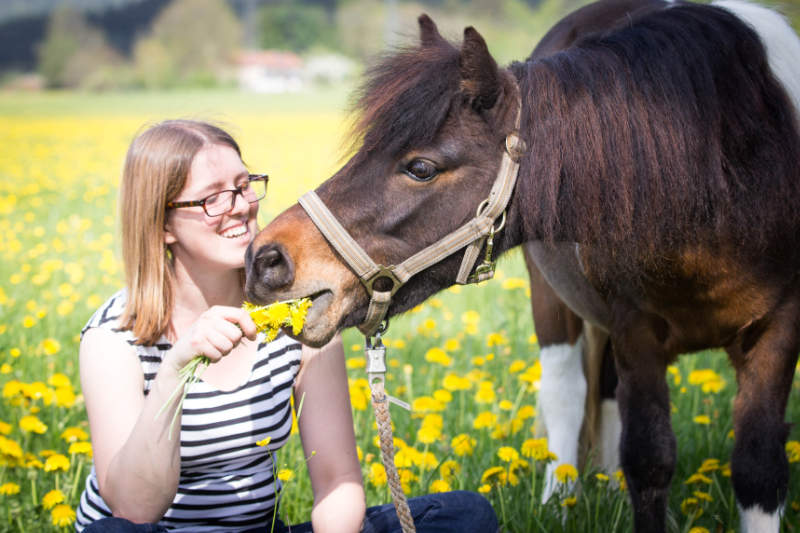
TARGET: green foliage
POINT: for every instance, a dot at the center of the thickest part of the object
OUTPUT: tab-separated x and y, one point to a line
74	54
293	26
192	42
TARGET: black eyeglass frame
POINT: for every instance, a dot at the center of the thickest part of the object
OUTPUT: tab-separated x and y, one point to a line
238	190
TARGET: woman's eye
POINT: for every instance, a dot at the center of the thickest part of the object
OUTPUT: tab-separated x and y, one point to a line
421	170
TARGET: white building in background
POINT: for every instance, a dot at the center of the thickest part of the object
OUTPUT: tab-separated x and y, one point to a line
270	71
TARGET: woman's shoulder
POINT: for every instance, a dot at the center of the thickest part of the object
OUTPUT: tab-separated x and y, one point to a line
108	315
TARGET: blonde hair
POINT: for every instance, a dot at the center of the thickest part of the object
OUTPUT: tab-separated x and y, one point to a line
156	167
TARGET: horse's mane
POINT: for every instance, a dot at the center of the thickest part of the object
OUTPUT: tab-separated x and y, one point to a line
405	98
665	133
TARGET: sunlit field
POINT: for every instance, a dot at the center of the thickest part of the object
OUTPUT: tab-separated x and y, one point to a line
466	360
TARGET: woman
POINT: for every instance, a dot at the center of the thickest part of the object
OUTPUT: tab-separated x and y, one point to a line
188	208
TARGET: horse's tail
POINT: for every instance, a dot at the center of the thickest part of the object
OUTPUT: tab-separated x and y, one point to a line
779	39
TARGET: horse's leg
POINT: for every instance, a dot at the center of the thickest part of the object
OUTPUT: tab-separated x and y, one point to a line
764	356
563	386
647	447
602	427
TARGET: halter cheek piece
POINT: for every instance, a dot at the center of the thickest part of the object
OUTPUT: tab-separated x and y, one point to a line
473	234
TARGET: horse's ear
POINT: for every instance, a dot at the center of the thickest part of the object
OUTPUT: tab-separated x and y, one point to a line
428	33
480	78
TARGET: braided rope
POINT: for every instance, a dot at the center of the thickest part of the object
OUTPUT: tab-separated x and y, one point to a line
381	406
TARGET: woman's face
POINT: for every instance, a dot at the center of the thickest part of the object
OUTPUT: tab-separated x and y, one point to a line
212	242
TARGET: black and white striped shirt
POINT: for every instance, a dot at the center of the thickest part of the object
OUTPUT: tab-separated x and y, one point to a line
227	481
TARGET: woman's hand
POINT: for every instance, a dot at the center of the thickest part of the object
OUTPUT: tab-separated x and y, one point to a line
214	334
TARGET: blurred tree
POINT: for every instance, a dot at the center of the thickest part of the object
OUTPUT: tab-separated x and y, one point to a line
192	42
74	54
294	26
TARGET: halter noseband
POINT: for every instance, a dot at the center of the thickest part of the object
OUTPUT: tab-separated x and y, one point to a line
473	234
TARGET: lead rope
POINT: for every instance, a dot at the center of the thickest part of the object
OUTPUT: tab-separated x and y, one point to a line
376	374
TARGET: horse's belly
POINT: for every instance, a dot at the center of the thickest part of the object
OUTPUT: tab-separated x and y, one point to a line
560	266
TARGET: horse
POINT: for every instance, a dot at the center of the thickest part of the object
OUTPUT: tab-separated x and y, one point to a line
661	155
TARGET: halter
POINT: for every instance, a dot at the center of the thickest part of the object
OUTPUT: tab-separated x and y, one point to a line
473	234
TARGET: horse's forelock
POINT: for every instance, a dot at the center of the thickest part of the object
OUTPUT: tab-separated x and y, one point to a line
405	98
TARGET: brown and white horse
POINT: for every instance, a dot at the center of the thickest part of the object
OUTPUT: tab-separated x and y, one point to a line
667	149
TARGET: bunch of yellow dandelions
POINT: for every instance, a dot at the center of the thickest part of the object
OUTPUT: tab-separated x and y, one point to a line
269	320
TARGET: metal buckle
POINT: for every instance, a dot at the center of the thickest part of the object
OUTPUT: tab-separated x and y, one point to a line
485	271
383	272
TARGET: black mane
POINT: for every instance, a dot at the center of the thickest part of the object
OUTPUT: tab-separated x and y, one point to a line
657	136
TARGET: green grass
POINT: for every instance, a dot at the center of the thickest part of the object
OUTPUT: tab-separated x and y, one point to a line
58	173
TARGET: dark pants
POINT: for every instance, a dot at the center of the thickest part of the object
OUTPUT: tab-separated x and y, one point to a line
447	512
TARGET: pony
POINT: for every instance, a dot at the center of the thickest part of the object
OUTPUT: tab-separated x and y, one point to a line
661	155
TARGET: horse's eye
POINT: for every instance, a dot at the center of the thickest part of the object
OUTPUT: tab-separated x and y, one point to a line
421	170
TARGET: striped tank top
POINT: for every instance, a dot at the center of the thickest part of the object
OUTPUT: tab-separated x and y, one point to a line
227	482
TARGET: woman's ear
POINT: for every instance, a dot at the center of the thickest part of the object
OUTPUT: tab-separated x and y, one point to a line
169	237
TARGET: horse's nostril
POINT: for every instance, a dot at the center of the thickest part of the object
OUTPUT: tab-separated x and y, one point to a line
271	258
273	267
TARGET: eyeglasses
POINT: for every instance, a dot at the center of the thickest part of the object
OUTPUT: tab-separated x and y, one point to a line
219	203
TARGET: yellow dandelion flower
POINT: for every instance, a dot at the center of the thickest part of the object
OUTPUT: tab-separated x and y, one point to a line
569	502
377	475
284	474
10	448
56	462
703	420
5	428
32	424
676	374
59	380
52	498
566	473
463	444
505	405
28	321
697	478
525	412
484	489
619	475
442	395
439	485
50	346
65	397
496	339
698	529
536	449
793	451
510	284
516	366
470	317
62	515
73	434
704	496
486	419
713	385
437	355
297	314
5	368
452	345
495	475
449	469
485	392
601	477
9	489
81	448
691	507
354	363
15	352
429	434
698	377
507	454
453	382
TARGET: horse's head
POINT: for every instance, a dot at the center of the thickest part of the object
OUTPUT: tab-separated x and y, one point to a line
433	122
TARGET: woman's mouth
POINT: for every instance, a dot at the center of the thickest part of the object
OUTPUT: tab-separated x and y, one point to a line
235	232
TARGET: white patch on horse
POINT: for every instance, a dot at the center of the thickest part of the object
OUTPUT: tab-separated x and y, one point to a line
561	402
756	520
780	41
609	436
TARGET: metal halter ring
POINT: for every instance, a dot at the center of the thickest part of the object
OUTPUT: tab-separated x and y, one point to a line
481	207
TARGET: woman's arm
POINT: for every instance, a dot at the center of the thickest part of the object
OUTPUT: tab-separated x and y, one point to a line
326	430
137	465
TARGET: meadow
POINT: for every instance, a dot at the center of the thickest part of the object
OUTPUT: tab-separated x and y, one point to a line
466	360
